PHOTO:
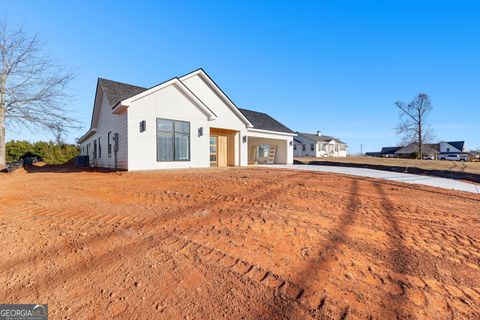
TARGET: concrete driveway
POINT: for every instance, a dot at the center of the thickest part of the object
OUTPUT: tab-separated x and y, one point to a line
387	175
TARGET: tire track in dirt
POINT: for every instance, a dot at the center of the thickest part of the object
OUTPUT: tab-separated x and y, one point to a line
319	302
417	188
403	265
151	225
198	253
221	256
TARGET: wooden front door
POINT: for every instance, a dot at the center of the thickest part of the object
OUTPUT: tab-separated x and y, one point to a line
222	151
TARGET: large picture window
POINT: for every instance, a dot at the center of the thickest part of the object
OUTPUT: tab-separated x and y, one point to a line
173	140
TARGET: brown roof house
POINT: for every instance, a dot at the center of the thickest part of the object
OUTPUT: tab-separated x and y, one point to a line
409	150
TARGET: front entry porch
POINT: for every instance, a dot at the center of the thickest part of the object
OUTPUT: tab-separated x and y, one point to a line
224	147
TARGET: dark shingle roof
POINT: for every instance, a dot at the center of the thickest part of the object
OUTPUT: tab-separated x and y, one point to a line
390	150
263	121
118	91
317	138
413	147
457	144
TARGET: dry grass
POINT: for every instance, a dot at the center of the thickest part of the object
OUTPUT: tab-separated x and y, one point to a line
469	167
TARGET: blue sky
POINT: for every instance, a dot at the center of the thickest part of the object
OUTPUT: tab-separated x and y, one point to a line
333	66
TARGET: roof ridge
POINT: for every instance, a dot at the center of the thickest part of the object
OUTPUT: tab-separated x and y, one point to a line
253	111
119	82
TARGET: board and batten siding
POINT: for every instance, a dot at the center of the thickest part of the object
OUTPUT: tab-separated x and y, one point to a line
114	123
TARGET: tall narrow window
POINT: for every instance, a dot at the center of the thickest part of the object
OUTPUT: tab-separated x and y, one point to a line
173	140
109	144
99	148
94	149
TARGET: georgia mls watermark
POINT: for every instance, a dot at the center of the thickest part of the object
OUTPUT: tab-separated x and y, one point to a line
23	311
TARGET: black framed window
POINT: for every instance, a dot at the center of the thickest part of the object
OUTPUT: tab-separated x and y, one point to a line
173	140
94	149
109	144
99	148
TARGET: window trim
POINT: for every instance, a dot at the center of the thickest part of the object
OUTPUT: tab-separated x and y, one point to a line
109	144
173	140
99	149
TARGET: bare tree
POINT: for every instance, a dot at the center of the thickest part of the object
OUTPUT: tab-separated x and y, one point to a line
33	88
413	126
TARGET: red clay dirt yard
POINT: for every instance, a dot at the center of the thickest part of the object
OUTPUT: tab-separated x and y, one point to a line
237	244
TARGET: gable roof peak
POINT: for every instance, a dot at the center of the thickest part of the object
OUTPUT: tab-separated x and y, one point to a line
116	91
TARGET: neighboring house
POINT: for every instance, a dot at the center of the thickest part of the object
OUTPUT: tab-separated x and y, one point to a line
318	145
452	147
185	122
429	149
386	152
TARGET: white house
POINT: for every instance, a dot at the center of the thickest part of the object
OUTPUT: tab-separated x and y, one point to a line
318	145
452	146
185	122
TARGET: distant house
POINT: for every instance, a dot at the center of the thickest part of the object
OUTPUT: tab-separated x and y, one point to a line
452	147
318	145
429	149
389	152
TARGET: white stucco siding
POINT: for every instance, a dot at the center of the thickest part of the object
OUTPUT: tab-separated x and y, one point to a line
108	122
167	103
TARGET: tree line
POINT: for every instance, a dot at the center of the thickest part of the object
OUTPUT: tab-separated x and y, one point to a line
49	152
33	93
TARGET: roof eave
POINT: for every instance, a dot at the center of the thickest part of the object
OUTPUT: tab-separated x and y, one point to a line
292	134
88	134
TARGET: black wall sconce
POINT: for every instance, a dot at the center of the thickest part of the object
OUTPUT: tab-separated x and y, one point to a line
200	131
244	139
143	126
290	143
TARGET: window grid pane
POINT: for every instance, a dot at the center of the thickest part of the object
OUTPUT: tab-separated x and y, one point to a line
173	140
165	125
182	127
165	146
